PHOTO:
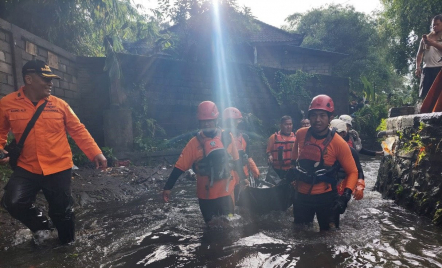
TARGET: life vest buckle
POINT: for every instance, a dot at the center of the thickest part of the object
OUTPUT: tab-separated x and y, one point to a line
321	172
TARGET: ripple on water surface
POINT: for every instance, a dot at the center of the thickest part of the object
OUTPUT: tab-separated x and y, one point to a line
147	233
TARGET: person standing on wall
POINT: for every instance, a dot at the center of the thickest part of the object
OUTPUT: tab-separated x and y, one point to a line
279	147
317	154
45	162
213	156
430	53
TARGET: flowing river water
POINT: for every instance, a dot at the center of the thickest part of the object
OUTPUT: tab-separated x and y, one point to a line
148	233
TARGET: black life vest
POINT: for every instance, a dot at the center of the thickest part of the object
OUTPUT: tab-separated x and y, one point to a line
216	162
310	167
241	142
282	150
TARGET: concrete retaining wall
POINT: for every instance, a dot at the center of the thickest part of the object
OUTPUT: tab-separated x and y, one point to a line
412	175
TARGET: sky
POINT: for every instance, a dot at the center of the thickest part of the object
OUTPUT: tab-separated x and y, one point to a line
274	12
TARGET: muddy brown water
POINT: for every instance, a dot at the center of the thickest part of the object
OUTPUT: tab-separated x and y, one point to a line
148	233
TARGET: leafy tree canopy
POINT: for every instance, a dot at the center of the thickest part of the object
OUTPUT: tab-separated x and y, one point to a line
404	22
195	25
342	29
83	27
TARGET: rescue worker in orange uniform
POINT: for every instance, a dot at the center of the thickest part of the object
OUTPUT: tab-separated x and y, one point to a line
232	117
358	193
45	162
317	153
352	138
305	122
213	156
279	147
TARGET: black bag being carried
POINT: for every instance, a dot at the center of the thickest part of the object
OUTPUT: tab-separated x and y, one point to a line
14	149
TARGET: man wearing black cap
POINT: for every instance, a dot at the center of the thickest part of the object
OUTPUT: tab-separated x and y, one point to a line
45	160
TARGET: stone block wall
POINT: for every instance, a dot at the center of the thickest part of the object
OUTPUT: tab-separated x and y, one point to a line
93	87
412	174
7	81
18	46
175	88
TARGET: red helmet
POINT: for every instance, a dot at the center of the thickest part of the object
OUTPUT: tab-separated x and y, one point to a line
207	110
231	113
322	102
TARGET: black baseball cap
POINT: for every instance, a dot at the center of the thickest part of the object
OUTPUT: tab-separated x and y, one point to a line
39	67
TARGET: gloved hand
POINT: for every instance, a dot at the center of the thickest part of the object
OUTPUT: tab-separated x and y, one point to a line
358	194
341	202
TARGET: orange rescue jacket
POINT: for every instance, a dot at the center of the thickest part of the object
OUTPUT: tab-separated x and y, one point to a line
337	150
192	153
284	143
241	145
46	149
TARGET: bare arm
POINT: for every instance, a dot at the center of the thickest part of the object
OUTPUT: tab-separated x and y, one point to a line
434	43
419	55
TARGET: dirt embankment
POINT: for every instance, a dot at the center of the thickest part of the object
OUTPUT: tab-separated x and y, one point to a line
91	186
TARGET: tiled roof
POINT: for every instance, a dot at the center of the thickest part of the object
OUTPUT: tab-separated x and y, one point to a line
268	33
264	34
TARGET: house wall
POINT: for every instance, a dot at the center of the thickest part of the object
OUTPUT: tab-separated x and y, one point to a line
18	46
277	57
175	88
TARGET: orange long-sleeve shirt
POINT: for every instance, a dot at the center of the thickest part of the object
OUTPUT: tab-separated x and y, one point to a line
46	149
193	152
337	150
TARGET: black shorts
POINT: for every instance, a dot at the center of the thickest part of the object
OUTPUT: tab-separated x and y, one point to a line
427	78
306	206
216	207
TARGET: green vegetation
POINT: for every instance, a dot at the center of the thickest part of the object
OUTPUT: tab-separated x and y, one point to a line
147	133
383	125
85	27
437	219
80	159
5	170
377	47
5	173
194	20
403	22
342	29
399	189
416	144
290	91
367	119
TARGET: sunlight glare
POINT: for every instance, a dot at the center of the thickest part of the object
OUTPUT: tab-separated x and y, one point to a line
220	62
